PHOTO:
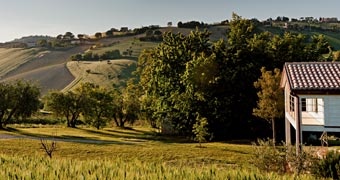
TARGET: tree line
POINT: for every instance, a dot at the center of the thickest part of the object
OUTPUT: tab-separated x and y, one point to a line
90	56
96	105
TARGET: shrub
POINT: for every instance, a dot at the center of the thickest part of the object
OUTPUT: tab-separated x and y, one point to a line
267	157
329	167
282	159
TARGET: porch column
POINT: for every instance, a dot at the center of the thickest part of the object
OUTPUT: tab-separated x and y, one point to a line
288	132
298	125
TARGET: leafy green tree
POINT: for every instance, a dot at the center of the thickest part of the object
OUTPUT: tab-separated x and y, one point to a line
81	36
126	105
270	105
200	129
184	75
69	104
98	35
68	35
100	102
42	43
19	99
161	72
109	33
88	56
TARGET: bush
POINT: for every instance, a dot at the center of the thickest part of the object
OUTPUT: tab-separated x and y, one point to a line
268	158
329	167
281	159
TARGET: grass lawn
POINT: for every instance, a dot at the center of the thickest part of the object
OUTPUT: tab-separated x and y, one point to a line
128	144
136	153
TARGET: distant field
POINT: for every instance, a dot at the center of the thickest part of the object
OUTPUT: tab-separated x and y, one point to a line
132	44
12	58
332	37
103	73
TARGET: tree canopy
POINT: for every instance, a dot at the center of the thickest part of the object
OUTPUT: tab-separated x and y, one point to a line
189	75
18	99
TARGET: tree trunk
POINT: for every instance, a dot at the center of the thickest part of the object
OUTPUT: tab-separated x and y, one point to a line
1	120
9	116
68	122
115	120
73	121
274	131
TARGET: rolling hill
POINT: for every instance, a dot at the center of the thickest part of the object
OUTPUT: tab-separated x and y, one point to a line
52	69
47	68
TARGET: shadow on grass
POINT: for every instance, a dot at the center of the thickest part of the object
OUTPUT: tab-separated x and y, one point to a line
138	135
64	138
128	135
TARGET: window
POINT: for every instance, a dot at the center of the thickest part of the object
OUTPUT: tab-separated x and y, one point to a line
303	105
291	104
315	105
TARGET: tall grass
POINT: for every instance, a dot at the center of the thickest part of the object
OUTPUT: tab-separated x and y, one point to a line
37	167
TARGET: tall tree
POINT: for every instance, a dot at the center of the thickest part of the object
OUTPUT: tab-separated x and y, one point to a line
126	104
270	105
68	104
100	102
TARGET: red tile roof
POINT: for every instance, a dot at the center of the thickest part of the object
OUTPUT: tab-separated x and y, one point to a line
313	75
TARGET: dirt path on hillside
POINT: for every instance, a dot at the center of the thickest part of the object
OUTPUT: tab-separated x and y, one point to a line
90	141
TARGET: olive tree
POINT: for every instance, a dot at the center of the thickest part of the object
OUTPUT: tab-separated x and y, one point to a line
99	102
18	99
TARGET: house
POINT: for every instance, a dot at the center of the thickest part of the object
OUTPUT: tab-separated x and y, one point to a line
312	98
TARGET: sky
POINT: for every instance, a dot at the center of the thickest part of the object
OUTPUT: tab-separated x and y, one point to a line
20	18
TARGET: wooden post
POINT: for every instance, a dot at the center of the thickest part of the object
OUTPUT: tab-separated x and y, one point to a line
298	136
288	132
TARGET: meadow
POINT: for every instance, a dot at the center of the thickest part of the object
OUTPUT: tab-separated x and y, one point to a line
115	153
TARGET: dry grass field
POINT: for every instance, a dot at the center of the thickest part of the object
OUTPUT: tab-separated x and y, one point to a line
12	58
102	73
47	68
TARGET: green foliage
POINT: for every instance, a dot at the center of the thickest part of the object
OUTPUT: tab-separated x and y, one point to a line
329	166
99	102
18	99
69	104
200	129
282	159
188	74
98	35
90	56
271	101
126	105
